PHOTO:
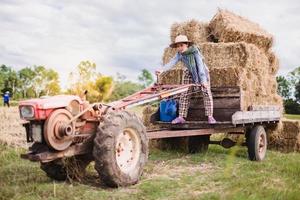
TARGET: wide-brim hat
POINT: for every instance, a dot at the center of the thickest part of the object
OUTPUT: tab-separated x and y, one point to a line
180	39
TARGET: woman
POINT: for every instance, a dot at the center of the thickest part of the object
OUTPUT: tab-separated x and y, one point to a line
195	72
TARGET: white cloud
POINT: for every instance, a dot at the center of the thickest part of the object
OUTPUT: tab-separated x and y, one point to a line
125	36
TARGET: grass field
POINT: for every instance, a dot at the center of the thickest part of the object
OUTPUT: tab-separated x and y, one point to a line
218	174
289	116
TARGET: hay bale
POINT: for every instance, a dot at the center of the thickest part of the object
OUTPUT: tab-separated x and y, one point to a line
229	27
148	111
291	129
273	85
224	55
173	75
240	55
243	65
286	137
232	77
196	31
285	145
168	54
273	63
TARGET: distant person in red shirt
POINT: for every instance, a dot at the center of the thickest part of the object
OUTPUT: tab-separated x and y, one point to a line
6	98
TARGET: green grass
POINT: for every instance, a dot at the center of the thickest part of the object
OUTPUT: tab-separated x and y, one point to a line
218	174
289	116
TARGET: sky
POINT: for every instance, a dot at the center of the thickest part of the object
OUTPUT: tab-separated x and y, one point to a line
125	36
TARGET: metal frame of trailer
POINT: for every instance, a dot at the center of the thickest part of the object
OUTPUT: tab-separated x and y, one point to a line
230	119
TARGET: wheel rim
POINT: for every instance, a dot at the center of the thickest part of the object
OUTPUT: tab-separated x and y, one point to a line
262	145
128	149
52	129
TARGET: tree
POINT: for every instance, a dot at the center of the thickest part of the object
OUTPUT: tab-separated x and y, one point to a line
99	87
46	81
38	81
3	70
52	86
145	78
29	81
291	106
294	76
104	85
123	88
8	79
26	77
83	76
283	87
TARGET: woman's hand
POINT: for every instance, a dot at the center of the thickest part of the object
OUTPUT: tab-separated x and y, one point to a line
204	85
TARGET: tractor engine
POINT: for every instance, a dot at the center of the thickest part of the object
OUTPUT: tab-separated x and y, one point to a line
59	121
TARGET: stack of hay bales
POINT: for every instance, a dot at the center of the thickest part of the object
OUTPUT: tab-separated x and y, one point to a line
242	57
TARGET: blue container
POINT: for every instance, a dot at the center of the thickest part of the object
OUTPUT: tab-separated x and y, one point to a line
167	110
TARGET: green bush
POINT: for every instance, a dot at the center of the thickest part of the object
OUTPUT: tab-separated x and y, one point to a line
291	106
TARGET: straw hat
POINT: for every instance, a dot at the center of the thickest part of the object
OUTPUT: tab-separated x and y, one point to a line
180	39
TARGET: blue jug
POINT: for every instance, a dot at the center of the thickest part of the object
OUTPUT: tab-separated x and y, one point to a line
167	110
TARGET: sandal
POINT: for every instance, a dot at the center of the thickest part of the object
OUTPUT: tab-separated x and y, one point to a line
178	120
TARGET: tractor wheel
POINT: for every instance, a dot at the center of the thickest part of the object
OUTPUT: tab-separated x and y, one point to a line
198	143
257	143
120	149
72	168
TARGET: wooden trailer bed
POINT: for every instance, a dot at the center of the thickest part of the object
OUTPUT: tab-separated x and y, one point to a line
227	112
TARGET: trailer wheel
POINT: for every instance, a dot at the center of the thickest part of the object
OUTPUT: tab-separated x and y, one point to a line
198	143
120	149
257	143
72	168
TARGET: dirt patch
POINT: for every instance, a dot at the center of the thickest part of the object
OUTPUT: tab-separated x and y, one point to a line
172	170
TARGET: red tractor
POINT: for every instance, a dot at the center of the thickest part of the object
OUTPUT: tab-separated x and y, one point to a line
68	133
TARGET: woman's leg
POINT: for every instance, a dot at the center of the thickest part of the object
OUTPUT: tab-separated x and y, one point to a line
207	100
208	104
184	100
